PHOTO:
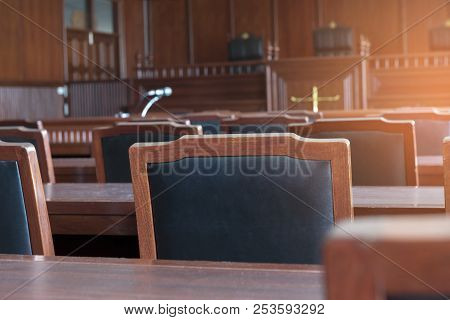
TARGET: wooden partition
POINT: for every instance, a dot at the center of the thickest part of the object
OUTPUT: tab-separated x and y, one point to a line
337	78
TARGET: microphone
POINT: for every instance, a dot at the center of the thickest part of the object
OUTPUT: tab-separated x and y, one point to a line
163	92
157	95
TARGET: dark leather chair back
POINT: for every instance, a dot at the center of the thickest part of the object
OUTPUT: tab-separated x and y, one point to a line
115	153
209	126
378	158
258	128
111	145
24	223
14	233
266	209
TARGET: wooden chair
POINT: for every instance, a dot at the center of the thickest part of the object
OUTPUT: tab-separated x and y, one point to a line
24	223
73	136
432	126
110	145
389	258
383	152
243	198
210	121
260	123
21	123
39	139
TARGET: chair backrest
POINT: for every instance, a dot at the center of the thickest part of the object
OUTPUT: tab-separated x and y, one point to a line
24	223
242	198
110	145
260	123
210	121
21	123
383	152
431	126
39	139
73	136
389	258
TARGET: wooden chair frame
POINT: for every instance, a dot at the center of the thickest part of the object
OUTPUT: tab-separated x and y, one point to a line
406	128
381	256
337	151
261	119
43	148
34	196
446	153
130	128
22	123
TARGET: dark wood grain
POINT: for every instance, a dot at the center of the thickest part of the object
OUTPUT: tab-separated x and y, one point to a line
74	170
81	278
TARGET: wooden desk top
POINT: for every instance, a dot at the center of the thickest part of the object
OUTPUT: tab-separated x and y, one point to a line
80	195
81	278
430	161
399	197
74	162
80	208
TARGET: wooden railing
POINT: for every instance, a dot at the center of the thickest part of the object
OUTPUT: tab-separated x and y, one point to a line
200	70
73	137
413	61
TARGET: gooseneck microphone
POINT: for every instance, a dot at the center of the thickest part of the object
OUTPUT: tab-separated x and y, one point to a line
157	95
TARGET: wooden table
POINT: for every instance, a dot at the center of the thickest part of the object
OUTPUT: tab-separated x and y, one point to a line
74	170
398	200
83	170
431	171
89	209
120	279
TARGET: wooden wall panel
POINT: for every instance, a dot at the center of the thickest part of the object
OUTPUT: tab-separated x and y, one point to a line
170	36
133	29
419	36
255	17
211	27
296	20
379	20
29	54
44	55
11	56
31	103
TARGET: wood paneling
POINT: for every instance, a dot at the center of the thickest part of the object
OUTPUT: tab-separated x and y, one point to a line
170	36
32	103
133	29
211	27
240	92
419	36
379	20
296	78
43	53
296	21
255	17
27	52
10	33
